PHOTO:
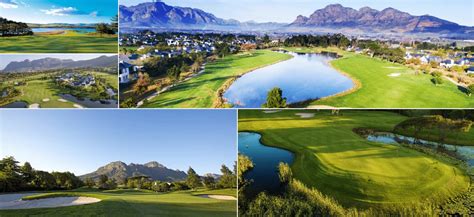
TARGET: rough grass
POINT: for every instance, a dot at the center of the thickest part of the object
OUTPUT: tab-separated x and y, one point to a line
135	203
343	165
201	91
69	42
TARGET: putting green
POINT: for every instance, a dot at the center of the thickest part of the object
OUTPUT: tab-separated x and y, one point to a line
343	165
201	91
139	203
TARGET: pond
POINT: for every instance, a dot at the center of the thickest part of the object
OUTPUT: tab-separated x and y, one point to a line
17	104
265	159
465	153
81	30
88	103
304	77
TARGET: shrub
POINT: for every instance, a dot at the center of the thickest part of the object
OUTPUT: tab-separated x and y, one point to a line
437	80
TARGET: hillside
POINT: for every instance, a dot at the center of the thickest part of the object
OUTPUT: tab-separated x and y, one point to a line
56	63
121	171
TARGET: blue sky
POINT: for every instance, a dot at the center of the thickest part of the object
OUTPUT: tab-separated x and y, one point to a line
82	141
460	11
59	11
7	58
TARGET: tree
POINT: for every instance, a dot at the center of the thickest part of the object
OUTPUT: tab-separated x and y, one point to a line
437	81
43	180
284	172
27	172
193	180
141	86
114	23
209	182
470	89
228	178
89	182
275	99
103	28
266	39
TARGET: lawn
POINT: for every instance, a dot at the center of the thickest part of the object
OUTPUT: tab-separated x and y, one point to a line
332	158
388	85
140	203
200	92
69	42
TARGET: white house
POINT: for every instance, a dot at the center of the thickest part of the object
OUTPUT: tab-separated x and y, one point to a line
128	72
470	70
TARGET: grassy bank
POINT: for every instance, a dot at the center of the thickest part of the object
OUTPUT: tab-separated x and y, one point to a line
201	91
137	203
330	157
69	42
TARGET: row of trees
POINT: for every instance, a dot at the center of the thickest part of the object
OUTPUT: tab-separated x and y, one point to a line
14	177
382	51
338	40
12	28
437	123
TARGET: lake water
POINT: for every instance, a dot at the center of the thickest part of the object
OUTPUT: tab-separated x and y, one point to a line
465	153
17	104
87	103
304	77
265	159
81	30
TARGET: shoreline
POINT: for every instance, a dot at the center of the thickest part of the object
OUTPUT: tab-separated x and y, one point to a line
219	102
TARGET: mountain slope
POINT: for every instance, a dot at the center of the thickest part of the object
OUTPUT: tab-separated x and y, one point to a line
56	63
159	14
121	171
336	16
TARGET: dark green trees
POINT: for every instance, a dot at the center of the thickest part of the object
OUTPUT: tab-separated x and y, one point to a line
193	180
12	28
275	99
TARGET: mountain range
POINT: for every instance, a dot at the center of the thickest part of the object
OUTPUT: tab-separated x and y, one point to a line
332	18
120	171
56	63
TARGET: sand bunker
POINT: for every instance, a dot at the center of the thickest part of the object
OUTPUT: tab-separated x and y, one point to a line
394	74
34	106
271	111
392	67
13	201
78	106
46	100
62	100
305	115
218	197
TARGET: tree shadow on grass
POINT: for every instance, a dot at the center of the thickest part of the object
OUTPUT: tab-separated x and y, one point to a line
463	89
167	102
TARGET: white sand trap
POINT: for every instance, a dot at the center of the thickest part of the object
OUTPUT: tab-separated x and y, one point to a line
218	197
78	106
34	106
46	100
62	100
13	201
305	115
395	74
271	111
392	67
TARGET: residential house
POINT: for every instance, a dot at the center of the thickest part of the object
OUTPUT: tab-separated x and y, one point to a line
127	72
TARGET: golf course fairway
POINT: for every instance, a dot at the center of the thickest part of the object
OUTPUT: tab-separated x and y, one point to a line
137	203
330	157
201	91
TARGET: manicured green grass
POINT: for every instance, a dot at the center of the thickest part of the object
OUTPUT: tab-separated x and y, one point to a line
380	90
200	92
137	203
332	158
68	43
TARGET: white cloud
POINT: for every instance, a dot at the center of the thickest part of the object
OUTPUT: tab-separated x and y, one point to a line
61	11
94	13
8	4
